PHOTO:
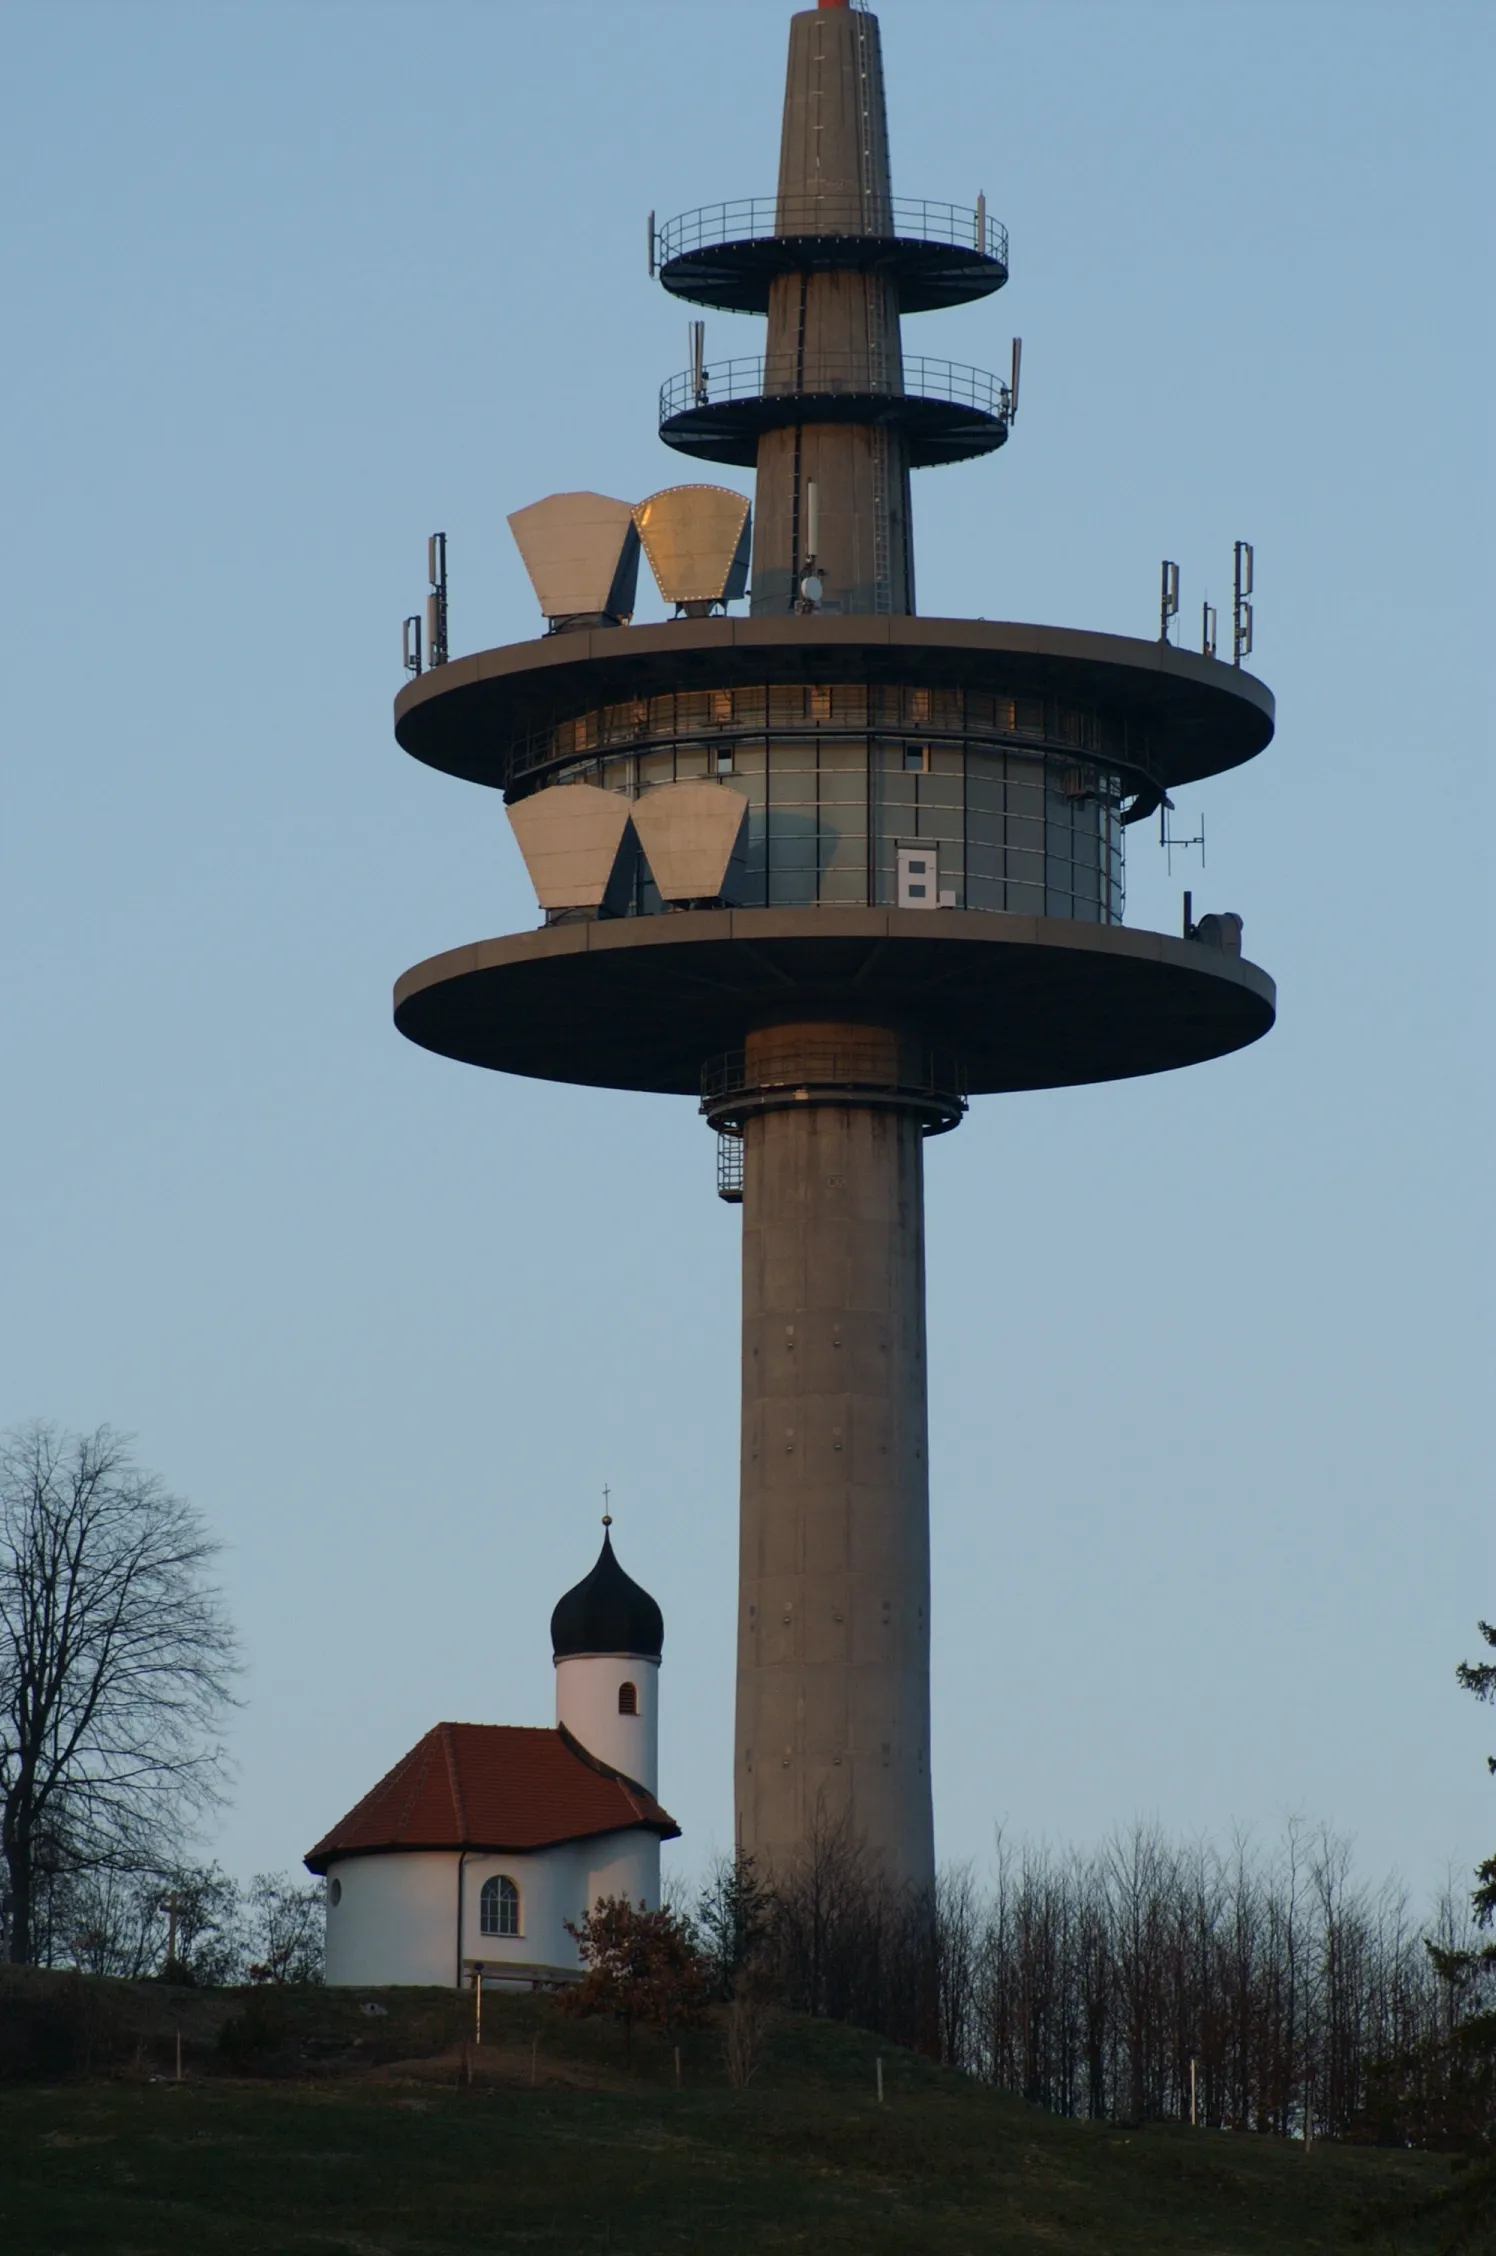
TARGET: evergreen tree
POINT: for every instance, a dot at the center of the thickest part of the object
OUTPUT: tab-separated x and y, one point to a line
734	1921
1479	1677
1471	2206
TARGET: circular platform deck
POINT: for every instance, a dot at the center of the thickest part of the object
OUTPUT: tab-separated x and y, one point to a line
477	716
730	255
1023	1002
944	410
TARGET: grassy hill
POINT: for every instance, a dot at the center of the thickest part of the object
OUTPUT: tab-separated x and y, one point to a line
316	2123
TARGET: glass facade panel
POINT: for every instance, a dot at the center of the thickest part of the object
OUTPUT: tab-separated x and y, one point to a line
839	777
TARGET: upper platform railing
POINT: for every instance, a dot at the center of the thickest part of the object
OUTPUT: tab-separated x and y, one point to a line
730	255
780	380
768	218
947	412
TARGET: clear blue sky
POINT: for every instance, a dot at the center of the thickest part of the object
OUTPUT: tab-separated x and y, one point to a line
287	287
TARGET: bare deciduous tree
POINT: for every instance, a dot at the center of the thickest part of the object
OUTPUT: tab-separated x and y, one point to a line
852	1945
181	1926
116	1659
288	1920
748	2023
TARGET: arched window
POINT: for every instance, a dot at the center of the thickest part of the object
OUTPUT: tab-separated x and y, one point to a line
498	1907
628	1699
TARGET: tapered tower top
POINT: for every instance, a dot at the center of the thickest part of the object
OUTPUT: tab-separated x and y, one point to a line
833	147
833	417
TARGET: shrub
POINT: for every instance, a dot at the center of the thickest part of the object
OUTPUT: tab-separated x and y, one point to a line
641	1966
257	2041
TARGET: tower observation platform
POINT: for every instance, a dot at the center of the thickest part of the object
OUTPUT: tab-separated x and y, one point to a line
915	898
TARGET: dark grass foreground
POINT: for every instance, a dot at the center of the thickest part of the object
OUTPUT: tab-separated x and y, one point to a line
311	2128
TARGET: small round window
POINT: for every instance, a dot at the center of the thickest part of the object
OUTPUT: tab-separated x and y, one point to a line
334	1891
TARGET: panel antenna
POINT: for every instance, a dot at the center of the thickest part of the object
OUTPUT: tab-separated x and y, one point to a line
1168	598
436	601
1241	635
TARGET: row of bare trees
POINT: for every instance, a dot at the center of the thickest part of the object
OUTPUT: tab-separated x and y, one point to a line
1254	1990
1250	1988
194	1925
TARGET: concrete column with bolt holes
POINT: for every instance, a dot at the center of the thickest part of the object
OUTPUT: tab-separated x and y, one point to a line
833	1698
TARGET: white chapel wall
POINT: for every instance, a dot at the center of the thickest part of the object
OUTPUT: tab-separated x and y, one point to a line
624	1864
552	1888
392	1919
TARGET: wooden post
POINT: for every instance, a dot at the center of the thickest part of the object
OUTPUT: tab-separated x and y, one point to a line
477	2005
880	2079
1194	2111
171	1906
179	2056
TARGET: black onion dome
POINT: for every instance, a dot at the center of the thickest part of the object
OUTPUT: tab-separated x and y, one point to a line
607	1612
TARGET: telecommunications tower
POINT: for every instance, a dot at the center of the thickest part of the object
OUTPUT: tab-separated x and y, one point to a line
832	869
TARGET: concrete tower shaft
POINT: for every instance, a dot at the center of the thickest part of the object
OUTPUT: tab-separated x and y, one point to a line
834	332
833	1705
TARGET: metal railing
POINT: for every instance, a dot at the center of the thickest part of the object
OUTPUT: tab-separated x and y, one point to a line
761	219
930	1083
833	375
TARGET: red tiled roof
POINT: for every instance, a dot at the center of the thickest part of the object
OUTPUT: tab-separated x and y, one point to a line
491	1786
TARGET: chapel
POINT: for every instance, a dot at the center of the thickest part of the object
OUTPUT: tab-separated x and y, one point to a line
468	1860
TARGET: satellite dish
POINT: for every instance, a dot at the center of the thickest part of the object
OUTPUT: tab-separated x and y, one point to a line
581	551
697	541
